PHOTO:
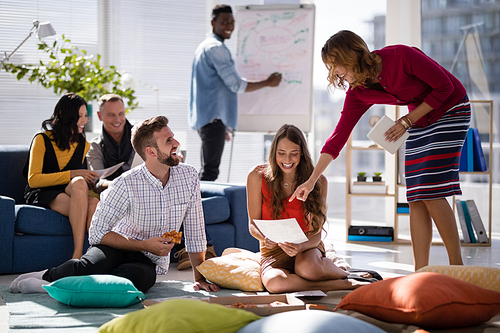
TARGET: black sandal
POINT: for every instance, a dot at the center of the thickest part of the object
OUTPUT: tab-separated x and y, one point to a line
374	274
361	279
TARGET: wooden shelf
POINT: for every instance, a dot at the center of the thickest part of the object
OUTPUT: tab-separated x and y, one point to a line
366	145
371	194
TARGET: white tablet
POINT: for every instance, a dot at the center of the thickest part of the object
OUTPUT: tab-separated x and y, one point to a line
377	135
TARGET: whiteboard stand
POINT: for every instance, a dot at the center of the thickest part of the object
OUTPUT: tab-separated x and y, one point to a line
275	38
230	155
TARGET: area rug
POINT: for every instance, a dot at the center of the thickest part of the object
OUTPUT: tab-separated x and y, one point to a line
35	313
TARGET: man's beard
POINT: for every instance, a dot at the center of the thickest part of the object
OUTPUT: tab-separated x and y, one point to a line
167	160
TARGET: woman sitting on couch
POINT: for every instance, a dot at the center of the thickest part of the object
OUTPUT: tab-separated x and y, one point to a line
57	177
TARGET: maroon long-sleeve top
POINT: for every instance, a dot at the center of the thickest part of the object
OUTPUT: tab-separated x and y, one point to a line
409	77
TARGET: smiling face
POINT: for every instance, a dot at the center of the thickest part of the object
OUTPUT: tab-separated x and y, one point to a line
112	116
344	73
287	155
223	25
82	118
167	147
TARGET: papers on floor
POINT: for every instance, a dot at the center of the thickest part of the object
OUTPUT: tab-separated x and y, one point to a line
309	293
280	231
103	173
377	135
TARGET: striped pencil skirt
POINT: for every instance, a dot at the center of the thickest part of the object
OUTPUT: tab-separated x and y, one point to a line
432	155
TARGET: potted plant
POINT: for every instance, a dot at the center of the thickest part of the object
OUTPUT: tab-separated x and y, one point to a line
377	177
70	69
361	176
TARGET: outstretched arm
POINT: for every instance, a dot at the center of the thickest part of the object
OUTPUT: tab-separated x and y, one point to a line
272	81
304	189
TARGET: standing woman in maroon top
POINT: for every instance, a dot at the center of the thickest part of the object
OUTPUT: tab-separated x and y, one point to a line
438	120
288	267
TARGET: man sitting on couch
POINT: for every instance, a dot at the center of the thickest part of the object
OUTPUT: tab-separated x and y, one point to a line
133	214
113	145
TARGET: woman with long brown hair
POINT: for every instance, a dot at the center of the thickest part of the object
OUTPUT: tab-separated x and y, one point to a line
437	121
288	267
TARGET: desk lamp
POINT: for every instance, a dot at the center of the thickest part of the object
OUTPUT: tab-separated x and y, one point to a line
43	29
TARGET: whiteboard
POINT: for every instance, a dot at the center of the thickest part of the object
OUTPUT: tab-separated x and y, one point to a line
275	38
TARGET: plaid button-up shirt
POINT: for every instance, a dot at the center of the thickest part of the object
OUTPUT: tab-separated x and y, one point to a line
137	206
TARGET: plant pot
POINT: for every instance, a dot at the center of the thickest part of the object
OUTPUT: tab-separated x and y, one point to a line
377	178
89	126
361	178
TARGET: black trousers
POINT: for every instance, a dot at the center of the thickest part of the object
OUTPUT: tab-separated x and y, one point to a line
102	259
213	139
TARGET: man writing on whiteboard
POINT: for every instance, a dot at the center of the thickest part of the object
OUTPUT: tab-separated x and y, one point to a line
214	85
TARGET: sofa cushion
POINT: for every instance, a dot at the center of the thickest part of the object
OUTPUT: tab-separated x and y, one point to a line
33	220
12	161
215	209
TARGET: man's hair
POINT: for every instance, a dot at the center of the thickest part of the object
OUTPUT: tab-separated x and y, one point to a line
109	98
220	9
142	134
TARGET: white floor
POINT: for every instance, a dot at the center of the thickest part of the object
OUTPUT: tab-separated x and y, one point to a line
388	260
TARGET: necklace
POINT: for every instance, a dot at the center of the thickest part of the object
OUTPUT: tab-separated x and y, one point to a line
286	185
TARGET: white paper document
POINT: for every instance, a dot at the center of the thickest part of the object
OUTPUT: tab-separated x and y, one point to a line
103	173
137	160
377	135
280	231
309	293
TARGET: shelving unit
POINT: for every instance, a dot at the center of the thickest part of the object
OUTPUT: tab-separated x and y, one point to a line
365	145
396	187
488	173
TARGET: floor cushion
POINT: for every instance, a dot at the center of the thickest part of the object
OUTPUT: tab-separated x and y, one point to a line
428	300
485	277
309	321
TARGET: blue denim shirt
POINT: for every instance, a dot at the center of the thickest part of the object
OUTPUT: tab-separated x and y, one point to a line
214	85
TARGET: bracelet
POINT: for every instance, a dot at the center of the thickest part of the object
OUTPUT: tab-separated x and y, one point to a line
405	121
404	124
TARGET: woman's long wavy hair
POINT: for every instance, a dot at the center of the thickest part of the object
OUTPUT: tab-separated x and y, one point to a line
350	51
314	206
63	122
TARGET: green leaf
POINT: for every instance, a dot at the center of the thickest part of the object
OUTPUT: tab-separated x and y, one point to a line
72	70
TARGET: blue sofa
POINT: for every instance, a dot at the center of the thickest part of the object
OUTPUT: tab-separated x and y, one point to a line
34	238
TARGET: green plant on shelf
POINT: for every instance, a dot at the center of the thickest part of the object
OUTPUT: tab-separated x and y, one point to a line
361	176
377	176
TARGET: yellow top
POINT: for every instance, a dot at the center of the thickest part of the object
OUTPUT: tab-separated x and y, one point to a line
38	179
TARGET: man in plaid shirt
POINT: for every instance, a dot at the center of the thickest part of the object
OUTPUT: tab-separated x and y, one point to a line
141	205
